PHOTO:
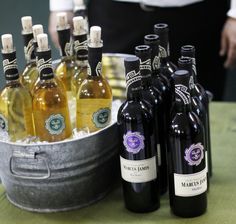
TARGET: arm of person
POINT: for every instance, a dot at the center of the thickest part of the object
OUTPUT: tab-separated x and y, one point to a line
228	38
56	6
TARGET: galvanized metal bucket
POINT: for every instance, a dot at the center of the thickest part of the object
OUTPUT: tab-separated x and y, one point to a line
60	176
65	175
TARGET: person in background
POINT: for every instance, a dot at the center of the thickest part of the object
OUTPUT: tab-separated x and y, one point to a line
209	25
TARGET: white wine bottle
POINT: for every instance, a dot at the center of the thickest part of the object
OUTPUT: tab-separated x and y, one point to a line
94	96
15	100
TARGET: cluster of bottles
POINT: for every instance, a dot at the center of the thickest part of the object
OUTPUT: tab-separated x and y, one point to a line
164	130
35	103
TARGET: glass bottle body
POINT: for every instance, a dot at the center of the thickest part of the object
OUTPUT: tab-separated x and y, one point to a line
30	76
134	117
187	165
16	111
93	104
50	107
79	76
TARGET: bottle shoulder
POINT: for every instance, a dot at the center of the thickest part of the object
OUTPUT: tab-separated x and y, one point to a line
134	110
95	87
185	124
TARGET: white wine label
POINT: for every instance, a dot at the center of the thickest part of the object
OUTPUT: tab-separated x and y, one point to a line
138	171
102	117
159	154
194	154
132	77
3	123
133	142
78	46
188	185
55	124
7	65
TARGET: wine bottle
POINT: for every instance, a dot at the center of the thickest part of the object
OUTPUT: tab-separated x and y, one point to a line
153	97
138	149
94	96
187	165
160	81
50	106
198	108
30	73
67	67
200	92
81	53
166	66
15	100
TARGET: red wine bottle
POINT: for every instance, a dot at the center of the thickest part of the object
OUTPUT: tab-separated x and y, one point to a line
153	97
138	149
188	171
201	93
198	108
166	66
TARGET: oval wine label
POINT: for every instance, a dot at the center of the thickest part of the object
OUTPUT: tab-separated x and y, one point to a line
194	154
133	142
101	118
55	124
3	123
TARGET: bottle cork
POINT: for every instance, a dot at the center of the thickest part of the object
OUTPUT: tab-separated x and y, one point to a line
62	21
95	36
42	40
37	29
7	43
79	24
26	22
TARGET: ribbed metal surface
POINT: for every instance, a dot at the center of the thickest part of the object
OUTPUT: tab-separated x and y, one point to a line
60	176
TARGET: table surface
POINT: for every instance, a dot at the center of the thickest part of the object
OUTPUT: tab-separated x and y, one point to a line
221	198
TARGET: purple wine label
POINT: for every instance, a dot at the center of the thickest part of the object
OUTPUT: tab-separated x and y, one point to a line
133	142
194	154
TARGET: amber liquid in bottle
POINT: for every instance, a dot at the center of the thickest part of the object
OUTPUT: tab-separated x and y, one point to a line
30	73
81	53
67	67
50	106
15	100
94	97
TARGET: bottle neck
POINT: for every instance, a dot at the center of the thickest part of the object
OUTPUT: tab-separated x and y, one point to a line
146	72
95	61
29	47
66	49
134	93
164	46
10	67
44	65
81	47
182	98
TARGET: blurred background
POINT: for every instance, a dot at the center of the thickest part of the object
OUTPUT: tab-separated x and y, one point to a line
10	22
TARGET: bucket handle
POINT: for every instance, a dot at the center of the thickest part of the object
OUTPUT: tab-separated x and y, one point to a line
29	155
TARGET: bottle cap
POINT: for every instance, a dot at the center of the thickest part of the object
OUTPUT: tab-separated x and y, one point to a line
62	21
131	63
151	39
37	29
42	40
143	51
181	77
26	22
79	24
161	28
95	36
7	43
183	61
188	51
